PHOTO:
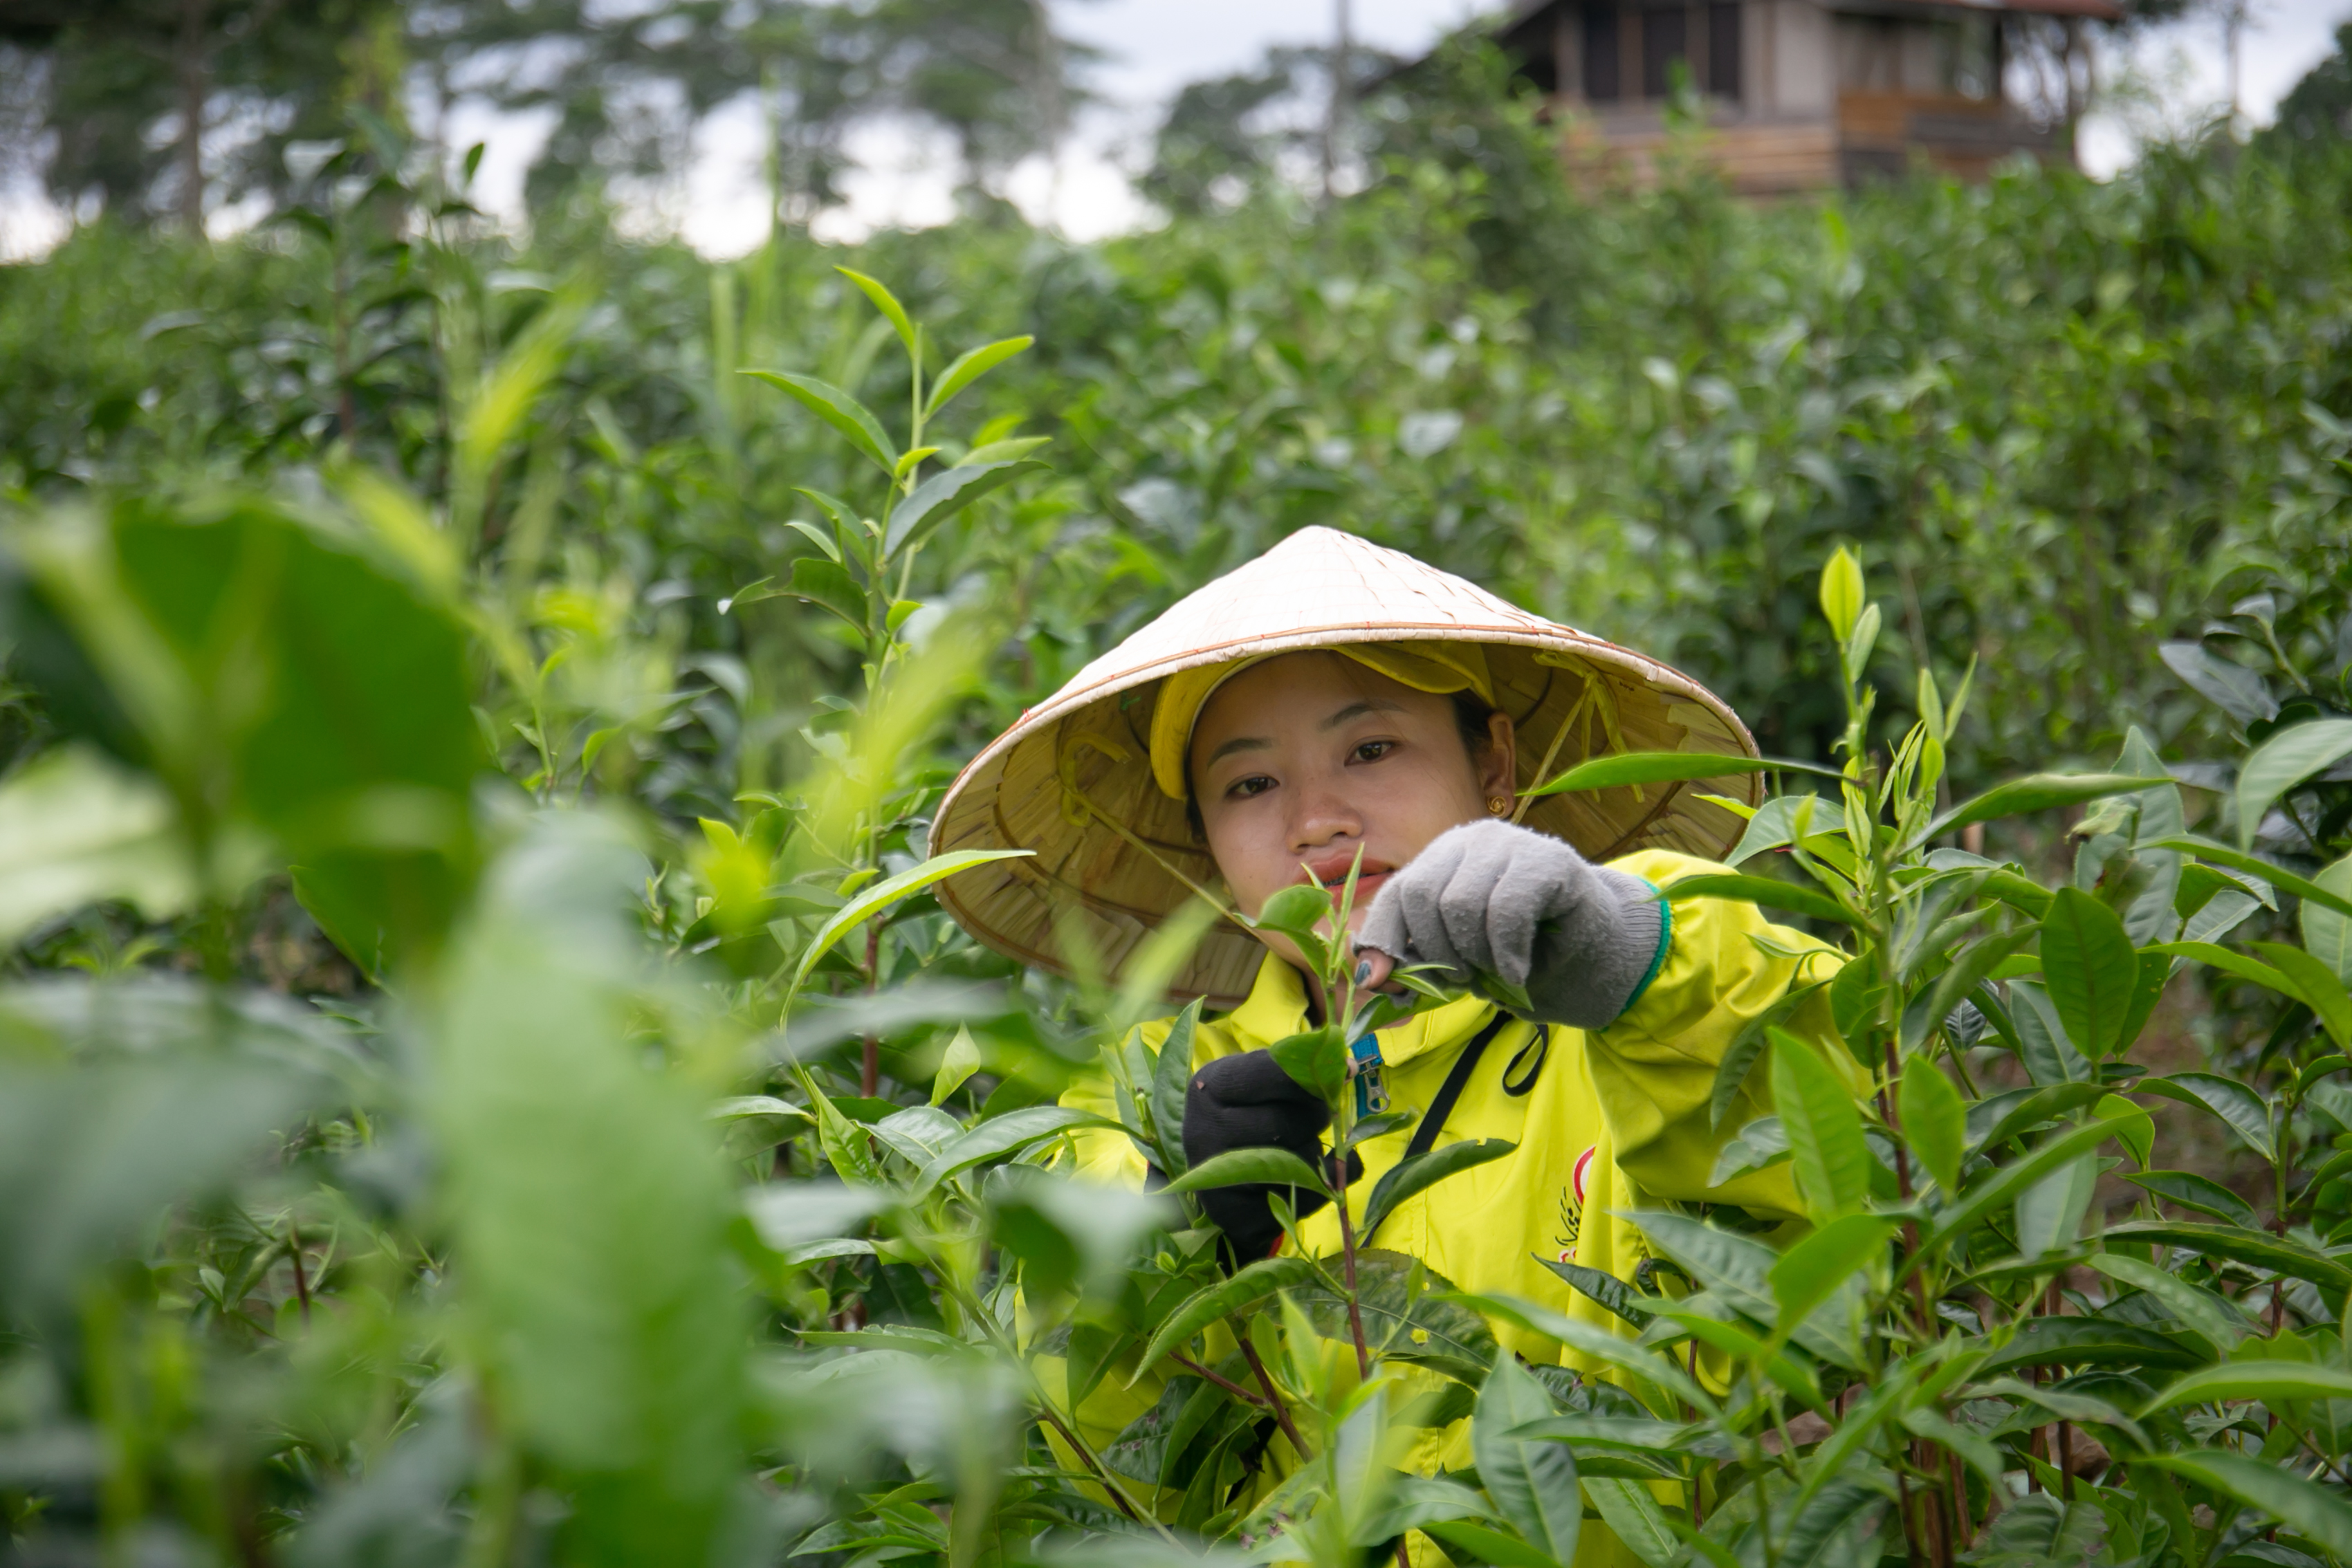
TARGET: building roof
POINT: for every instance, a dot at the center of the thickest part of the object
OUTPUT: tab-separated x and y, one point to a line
1526	11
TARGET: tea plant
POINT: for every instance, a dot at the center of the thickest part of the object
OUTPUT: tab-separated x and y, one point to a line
697	1197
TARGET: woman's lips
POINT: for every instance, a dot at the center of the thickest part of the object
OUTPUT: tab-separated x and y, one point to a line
1332	872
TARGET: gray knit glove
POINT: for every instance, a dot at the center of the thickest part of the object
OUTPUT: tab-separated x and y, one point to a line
1494	900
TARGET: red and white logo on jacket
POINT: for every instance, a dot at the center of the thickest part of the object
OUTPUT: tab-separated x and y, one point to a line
1571	1206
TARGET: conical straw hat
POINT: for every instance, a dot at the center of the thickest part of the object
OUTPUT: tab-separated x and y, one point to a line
1072	780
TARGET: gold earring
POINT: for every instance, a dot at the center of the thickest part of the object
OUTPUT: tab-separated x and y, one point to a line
1498	805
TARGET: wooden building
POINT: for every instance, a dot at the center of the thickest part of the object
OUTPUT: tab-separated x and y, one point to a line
1801	95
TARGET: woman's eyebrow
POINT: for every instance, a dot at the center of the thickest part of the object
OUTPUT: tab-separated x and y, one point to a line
1239	743
1358	710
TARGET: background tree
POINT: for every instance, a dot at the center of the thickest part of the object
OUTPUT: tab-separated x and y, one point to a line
158	105
1228	138
2318	108
630	89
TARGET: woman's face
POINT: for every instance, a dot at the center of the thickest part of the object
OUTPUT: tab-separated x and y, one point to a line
1301	761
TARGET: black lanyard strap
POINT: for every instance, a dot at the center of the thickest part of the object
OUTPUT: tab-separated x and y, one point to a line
1433	1121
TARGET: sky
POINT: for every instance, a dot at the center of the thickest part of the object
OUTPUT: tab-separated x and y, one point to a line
2174	78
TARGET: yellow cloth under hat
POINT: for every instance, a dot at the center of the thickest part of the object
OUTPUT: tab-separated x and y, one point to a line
1437	667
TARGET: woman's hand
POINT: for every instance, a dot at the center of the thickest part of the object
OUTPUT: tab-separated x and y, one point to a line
1245	1101
1496	900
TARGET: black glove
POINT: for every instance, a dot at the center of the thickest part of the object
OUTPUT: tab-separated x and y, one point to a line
1247	1101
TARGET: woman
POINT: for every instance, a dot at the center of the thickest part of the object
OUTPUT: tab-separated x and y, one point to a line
1332	700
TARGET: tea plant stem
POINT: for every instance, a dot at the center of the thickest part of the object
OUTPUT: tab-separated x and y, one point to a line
1274	1398
979	1314
869	1072
1961	1519
302	1281
1111	1484
1347	1262
1927	1320
2326	1463
1206	1375
1911	1530
497	1497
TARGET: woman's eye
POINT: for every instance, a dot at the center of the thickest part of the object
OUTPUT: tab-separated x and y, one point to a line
1243	788
1372	750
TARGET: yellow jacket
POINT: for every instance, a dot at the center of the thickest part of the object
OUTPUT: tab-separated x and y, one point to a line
1616	1119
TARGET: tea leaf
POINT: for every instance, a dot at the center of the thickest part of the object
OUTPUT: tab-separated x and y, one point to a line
1630	768
1316	1060
1416	1502
2327	934
885	302
2090	1341
1244	1289
945	494
1935	1121
2002	1186
1836	1513
2281	1255
591	1234
957	1066
827	586
2210	1317
1817	1268
2316	984
1532	1482
2135	1129
2200	1193
2037	792
1416	1174
1817	1110
2278	877
1956	984
1238	1167
837	409
1484	1545
2043	1045
2283	761
1172	1074
2237	690
1604	1348
2271	1382
1761	890
1634	1516
1296	910
1608	1289
2246	1112
2313	1511
2090	970
1842	592
882	895
1002	1135
1432	1327
968	367
2049	1212
2003	1116
77	829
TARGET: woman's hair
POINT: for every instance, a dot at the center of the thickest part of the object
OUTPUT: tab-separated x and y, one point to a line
1471	716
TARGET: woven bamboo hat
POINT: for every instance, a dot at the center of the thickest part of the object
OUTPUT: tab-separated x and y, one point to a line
1073	779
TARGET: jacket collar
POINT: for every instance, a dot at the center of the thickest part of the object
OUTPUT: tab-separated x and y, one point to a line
1277	1007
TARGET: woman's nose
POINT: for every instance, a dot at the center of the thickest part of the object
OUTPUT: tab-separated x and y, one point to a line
1321	816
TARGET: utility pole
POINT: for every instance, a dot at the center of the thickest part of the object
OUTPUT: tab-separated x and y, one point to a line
2233	29
189	64
1335	121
